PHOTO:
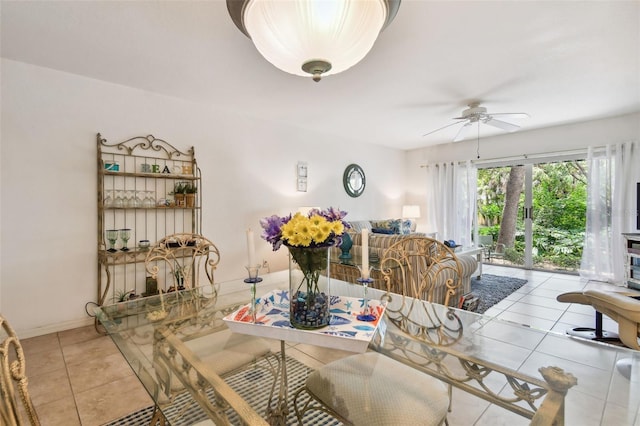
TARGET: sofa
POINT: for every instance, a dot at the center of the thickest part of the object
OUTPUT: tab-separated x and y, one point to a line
441	265
385	226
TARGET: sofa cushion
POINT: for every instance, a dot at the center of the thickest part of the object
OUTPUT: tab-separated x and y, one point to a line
359	225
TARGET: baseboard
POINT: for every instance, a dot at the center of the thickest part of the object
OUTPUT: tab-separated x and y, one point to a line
54	328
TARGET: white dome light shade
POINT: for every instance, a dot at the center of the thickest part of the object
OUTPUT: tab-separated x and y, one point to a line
337	33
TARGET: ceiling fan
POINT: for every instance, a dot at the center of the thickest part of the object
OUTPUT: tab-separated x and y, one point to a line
477	114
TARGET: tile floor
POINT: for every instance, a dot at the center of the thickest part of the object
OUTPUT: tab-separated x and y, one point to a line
78	377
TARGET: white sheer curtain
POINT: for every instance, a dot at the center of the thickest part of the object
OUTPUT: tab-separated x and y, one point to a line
611	210
451	200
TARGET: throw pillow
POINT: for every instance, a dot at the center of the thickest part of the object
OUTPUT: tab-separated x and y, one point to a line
394	225
406	227
380	224
359	225
382	231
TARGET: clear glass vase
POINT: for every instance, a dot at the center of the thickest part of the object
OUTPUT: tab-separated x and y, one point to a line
309	296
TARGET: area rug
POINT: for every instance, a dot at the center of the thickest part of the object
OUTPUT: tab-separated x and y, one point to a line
490	289
250	384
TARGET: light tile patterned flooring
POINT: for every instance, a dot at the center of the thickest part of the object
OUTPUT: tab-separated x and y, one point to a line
78	377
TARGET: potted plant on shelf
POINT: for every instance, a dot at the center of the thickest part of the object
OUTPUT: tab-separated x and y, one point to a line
190	190
179	193
179	275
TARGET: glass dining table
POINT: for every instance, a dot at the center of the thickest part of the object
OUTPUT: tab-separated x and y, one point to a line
198	369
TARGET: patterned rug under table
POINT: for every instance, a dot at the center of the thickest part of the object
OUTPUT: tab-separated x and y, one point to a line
252	384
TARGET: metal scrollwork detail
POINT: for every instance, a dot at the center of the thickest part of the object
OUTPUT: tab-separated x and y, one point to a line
148	142
184	255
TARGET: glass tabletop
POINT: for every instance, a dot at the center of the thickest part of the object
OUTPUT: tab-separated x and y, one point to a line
504	362
479	354
179	347
354	260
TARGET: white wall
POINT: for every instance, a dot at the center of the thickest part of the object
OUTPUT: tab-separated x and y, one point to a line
48	213
549	140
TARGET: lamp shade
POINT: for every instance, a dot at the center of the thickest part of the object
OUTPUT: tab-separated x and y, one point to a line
318	37
410	212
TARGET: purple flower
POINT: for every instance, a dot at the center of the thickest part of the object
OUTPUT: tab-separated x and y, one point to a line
315	211
272	229
333	215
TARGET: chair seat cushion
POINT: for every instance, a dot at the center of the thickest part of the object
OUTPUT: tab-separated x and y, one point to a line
236	350
372	389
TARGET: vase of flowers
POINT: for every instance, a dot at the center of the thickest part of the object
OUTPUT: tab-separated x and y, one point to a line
309	295
309	239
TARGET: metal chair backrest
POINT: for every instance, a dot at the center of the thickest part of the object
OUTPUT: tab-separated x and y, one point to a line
13	381
183	257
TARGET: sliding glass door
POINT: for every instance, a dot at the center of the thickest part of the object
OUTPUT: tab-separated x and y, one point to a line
533	215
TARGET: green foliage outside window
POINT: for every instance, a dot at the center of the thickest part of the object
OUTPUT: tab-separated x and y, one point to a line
559	220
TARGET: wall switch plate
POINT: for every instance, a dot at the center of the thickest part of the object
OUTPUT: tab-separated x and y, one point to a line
302	169
302	184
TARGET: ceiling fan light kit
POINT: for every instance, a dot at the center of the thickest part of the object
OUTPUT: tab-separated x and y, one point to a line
313	38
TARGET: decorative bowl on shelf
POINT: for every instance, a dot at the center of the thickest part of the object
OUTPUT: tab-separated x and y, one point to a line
144	245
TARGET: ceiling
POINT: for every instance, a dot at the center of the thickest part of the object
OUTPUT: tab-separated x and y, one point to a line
559	61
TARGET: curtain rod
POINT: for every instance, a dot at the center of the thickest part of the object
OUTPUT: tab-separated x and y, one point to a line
524	157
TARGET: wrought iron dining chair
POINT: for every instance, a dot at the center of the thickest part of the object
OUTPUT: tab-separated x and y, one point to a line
186	260
182	259
371	387
16	407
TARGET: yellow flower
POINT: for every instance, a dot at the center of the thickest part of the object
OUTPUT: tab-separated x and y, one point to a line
338	227
303	228
317	220
288	230
323	232
297	241
304	231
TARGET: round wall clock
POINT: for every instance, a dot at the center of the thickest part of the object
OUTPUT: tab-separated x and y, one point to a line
353	180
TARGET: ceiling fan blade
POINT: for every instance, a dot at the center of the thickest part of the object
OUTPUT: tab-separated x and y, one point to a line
502	125
513	114
462	132
441	128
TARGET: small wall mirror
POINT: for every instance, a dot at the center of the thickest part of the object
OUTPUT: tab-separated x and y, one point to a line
353	180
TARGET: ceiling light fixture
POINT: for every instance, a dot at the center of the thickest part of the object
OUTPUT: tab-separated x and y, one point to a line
313	37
